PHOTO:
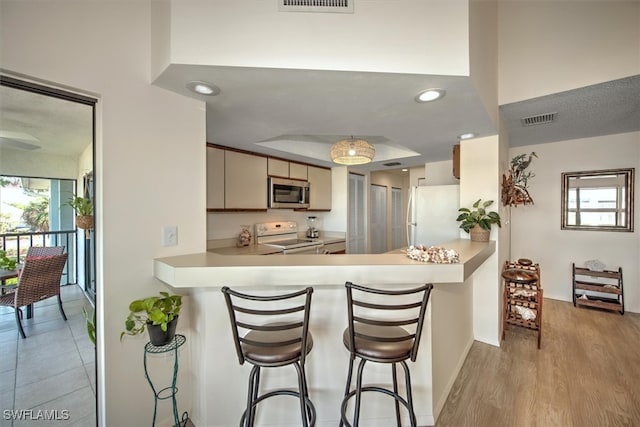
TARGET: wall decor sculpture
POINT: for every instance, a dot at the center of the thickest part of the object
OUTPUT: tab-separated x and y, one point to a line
514	186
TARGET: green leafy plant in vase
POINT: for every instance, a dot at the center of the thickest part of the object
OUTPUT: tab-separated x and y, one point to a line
158	314
478	221
90	323
7	263
83	206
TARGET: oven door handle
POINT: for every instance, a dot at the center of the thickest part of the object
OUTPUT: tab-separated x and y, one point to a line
315	249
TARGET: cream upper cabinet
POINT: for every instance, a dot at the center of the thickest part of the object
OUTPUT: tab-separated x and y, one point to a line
297	171
320	191
278	167
215	178
245	181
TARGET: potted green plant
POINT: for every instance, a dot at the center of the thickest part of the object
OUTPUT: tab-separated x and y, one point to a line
158	314
90	323
83	206
7	263
478	221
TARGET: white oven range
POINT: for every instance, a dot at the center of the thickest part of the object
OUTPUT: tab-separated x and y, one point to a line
284	235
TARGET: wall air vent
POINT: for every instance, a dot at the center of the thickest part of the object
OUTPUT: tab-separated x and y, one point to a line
390	164
539	119
331	6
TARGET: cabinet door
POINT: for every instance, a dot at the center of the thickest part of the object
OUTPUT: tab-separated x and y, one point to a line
245	181
215	178
297	171
278	167
320	191
456	161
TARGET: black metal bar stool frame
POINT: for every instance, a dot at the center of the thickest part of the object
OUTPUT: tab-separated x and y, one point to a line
281	338
383	341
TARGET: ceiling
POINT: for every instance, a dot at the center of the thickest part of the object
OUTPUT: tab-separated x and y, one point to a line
43	124
298	114
602	109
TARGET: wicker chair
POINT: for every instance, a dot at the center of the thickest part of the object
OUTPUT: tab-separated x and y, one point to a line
39	280
45	251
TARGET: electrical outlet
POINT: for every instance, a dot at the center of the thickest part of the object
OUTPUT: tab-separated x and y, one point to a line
169	235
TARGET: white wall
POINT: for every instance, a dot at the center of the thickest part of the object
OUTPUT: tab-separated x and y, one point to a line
440	173
253	33
480	160
535	229
150	168
552	46
483	53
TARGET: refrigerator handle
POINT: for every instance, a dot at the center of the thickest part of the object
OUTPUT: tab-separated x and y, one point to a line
409	216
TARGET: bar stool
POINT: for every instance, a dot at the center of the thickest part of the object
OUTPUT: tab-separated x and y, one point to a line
384	328
272	337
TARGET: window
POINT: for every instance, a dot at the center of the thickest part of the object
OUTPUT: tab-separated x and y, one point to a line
598	200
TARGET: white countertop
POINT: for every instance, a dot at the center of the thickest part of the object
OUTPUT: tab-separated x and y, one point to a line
213	270
257	249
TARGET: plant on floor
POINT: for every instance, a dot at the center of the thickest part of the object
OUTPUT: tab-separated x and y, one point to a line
152	311
469	218
7	263
91	325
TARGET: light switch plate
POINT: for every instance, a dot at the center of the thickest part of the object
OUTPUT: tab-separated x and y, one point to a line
169	235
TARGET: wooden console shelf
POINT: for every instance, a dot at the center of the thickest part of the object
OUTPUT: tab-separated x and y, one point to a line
601	289
522	296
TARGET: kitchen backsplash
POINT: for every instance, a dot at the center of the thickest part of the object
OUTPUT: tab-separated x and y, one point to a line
226	225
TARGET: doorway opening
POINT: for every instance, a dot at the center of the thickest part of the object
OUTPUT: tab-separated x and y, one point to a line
47	149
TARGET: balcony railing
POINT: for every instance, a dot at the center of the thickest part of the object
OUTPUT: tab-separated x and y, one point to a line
17	245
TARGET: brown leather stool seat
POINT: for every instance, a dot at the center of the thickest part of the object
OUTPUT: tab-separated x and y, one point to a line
384	326
271	344
278	353
380	350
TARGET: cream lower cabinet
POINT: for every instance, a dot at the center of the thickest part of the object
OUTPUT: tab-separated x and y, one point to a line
320	191
215	178
245	178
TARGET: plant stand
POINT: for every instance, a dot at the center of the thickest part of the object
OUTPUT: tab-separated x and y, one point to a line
170	391
522	297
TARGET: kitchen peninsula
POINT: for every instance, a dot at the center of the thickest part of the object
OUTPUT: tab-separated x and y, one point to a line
220	386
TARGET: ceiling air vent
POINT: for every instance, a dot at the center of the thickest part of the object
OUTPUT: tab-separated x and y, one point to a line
333	6
539	119
392	164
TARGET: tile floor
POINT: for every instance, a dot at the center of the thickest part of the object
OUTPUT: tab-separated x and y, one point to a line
52	370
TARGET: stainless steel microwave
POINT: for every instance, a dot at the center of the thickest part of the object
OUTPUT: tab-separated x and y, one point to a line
288	193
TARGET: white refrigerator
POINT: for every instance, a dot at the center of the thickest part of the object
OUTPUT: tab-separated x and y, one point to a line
432	213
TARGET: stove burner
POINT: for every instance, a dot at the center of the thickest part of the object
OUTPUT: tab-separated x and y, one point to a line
283	235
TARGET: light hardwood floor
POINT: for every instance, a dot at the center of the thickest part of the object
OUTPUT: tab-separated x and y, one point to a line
587	373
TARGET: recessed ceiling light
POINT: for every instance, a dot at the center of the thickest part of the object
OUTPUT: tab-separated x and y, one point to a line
467	135
203	88
405	170
429	95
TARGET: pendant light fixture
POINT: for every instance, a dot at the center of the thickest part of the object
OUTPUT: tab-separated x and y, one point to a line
352	151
